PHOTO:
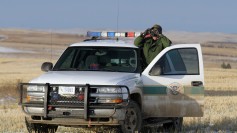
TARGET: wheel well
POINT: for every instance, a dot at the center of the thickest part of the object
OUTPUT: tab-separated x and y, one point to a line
137	98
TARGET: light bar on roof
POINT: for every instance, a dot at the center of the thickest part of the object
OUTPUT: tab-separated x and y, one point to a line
104	34
137	34
123	34
112	34
117	34
130	34
95	34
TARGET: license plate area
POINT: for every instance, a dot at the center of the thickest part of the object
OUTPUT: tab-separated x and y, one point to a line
66	90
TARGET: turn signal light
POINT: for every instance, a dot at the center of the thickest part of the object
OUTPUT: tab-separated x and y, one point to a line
118	100
28	98
34	99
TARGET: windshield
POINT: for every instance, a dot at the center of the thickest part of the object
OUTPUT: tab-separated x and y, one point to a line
114	59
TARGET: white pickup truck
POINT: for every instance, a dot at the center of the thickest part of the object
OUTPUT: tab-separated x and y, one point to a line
101	82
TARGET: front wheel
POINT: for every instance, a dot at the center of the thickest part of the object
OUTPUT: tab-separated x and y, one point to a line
40	128
133	118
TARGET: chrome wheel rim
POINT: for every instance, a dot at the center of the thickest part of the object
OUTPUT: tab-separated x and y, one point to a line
131	119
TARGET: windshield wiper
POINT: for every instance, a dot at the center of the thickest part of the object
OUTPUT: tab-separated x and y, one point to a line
109	69
66	69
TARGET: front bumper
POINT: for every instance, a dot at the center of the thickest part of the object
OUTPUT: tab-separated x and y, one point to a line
82	114
74	117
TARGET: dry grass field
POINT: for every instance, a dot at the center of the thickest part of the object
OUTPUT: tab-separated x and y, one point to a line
35	47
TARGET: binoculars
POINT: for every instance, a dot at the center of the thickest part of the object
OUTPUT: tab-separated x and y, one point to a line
153	32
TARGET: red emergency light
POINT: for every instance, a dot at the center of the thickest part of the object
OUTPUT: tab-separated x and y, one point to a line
130	34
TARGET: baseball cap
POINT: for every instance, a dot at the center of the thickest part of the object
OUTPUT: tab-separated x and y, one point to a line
158	27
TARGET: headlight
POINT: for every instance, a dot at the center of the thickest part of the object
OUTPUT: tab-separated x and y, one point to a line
110	95
35	93
110	90
36	88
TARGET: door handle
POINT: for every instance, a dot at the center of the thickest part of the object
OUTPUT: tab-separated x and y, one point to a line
197	83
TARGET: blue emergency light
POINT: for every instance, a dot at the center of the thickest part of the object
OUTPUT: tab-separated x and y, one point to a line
111	34
95	34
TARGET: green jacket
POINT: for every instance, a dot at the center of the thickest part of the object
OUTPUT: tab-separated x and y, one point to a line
150	47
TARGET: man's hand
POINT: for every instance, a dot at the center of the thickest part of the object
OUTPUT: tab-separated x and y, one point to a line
147	36
146	32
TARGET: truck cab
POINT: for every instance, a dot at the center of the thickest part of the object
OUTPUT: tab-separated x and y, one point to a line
101	82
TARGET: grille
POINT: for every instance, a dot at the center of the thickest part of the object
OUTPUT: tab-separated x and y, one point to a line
55	98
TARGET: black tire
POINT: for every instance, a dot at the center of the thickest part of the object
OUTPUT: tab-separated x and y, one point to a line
133	118
175	125
40	128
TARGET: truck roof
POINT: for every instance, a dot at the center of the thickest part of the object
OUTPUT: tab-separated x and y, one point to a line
106	43
117	43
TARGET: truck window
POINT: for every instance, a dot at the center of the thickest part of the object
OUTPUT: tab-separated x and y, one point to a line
98	59
68	59
178	62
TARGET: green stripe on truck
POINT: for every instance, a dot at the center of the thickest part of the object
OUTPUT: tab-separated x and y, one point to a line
161	90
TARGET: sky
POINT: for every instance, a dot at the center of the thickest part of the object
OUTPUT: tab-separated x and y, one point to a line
172	15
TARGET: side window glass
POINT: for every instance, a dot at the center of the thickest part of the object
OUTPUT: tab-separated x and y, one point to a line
161	67
190	60
177	62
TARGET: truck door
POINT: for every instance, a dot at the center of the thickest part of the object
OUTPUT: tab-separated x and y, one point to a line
173	83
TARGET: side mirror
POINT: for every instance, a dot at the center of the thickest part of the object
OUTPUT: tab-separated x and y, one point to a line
47	66
156	71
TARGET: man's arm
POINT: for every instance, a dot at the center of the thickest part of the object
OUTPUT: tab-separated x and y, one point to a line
165	41
138	41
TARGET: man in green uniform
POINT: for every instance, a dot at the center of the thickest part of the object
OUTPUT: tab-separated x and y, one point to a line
152	41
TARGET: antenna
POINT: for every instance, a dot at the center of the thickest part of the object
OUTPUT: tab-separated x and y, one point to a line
117	17
51	52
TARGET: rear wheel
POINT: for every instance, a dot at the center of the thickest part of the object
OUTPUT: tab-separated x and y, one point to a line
133	118
40	128
175	125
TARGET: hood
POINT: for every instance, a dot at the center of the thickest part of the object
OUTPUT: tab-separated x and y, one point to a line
84	77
